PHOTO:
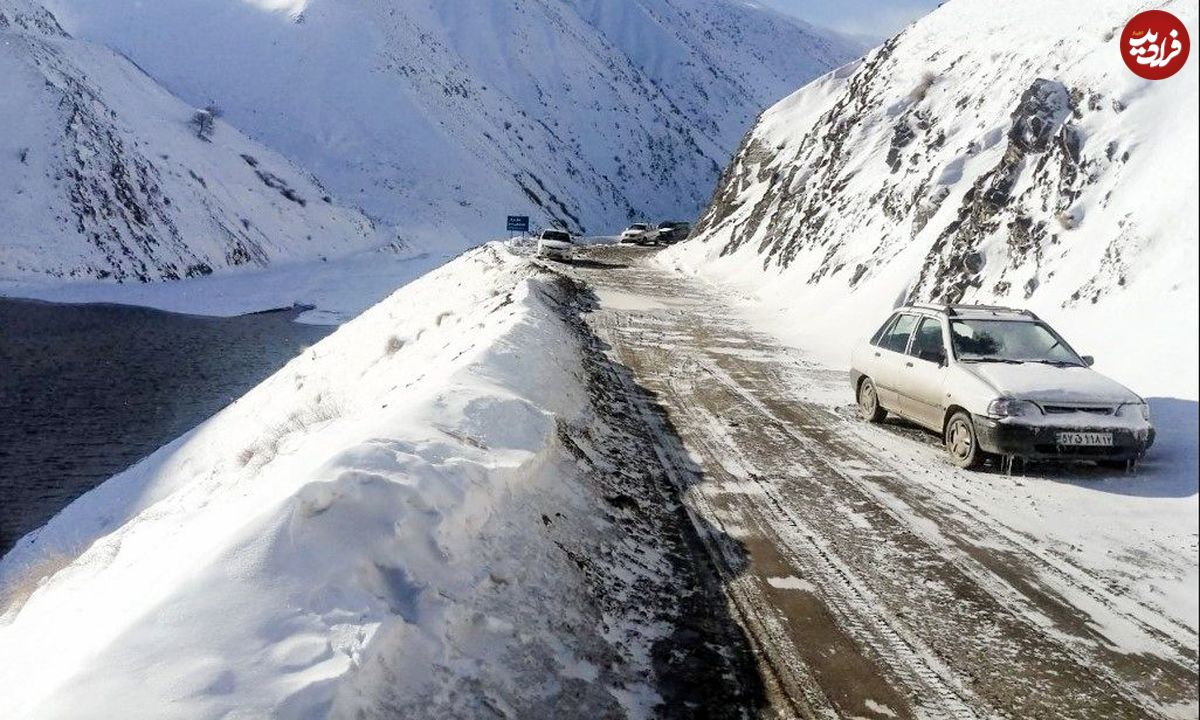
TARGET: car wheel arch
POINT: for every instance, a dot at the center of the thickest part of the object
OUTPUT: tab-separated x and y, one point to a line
951	411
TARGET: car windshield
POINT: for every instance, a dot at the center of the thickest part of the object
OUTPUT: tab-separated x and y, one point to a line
1012	341
556	235
637	227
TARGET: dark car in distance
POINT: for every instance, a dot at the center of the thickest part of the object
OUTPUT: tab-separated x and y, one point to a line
671	231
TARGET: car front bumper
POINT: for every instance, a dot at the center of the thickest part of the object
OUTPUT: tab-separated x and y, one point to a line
554	254
1040	442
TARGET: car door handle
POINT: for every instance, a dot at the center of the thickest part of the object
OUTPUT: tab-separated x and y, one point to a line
878	354
908	364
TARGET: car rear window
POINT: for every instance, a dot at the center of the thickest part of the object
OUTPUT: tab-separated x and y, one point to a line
895	338
878	336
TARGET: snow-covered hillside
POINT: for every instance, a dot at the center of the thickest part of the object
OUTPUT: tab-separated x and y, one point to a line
440	115
102	177
978	156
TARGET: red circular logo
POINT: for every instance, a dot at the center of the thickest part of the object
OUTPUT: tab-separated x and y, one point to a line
1155	44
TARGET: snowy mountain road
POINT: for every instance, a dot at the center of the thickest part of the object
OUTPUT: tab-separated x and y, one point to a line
874	579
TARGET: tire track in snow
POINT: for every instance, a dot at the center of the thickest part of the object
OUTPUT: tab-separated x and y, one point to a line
912	584
855	605
1013	572
1175	637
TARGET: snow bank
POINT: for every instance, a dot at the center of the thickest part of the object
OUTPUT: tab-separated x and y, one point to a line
918	173
354	531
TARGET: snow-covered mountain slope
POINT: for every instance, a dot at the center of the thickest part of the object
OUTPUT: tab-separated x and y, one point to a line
101	175
440	115
423	516
991	152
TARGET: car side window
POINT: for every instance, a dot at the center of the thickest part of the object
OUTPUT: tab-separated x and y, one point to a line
929	342
895	338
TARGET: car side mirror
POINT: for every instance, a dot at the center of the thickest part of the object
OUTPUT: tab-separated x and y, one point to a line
937	357
1088	360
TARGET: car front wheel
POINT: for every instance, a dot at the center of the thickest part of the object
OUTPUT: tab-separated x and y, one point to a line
961	443
868	402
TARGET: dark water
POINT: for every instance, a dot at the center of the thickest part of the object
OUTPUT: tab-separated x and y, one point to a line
87	390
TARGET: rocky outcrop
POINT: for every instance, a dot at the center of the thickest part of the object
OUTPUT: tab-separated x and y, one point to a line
986	158
1041	142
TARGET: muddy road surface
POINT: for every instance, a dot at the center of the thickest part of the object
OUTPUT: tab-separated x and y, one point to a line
873	579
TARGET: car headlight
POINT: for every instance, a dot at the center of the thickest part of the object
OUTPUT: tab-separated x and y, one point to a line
1134	410
1008	407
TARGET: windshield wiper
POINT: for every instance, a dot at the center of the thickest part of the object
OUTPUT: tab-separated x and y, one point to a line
1056	363
1006	361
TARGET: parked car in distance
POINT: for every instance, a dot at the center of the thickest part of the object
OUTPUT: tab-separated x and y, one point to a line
997	381
671	231
635	233
555	245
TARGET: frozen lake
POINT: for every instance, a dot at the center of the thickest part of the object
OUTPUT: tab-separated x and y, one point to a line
87	390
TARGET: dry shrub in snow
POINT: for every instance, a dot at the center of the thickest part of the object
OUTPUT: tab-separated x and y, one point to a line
264	450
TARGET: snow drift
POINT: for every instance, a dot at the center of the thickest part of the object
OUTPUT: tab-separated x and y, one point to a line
103	177
444	116
992	152
412	519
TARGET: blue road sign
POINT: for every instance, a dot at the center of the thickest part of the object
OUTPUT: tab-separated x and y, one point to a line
518	223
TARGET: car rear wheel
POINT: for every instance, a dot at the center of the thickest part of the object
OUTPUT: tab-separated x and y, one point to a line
868	402
961	444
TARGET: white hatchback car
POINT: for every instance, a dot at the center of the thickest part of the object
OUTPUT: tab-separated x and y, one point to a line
997	381
555	245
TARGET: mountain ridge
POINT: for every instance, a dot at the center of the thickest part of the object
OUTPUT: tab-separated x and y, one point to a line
436	115
103	176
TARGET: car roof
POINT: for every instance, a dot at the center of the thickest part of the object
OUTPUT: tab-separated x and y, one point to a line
975	312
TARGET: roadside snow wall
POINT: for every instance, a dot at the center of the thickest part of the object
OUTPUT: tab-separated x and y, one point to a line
391	525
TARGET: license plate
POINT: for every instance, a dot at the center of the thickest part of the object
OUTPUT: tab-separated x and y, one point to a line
1075	439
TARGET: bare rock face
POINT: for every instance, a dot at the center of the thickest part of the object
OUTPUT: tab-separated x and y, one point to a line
1043	109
